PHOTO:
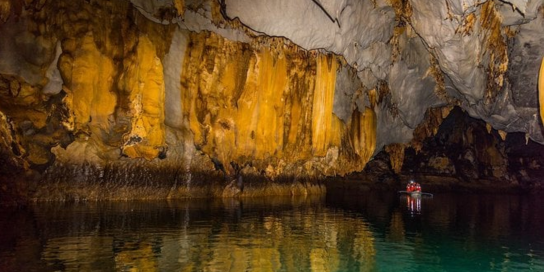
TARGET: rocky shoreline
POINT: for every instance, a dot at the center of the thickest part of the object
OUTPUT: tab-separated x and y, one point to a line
431	184
211	185
155	185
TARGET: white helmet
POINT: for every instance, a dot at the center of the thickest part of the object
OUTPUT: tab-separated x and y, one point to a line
411	181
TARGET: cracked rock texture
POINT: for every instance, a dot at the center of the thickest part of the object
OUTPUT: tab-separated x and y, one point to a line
267	88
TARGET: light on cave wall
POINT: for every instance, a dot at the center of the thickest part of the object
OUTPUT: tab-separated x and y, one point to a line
88	91
144	81
322	105
264	101
267	100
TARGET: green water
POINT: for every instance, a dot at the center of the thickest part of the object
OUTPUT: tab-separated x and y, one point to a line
373	232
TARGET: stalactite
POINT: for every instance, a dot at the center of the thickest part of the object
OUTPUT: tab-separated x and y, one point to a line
396	156
503	134
403	12
363	133
496	48
180	7
322	104
372	97
429	126
144	84
269	122
89	95
267	101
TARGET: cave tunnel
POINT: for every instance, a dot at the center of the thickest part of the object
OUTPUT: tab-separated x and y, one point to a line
241	106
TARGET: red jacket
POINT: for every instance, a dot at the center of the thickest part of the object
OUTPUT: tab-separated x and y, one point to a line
411	187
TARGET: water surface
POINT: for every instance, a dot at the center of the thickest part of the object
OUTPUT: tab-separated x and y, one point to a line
370	232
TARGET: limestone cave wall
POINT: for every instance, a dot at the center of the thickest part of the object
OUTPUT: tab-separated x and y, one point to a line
96	91
114	91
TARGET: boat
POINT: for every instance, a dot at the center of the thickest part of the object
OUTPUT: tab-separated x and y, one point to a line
415	193
413	189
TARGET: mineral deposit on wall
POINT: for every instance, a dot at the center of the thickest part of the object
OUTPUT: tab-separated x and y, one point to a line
287	87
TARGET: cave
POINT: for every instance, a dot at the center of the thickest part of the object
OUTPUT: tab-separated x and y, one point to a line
185	100
151	98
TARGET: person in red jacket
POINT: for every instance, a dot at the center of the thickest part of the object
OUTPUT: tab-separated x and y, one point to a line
410	186
413	187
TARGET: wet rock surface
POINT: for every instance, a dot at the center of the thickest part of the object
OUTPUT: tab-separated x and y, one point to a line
134	182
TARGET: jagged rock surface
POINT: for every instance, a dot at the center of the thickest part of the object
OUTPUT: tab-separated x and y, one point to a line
297	88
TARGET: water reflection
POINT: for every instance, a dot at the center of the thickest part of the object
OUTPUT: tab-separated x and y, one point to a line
357	233
225	235
455	232
413	204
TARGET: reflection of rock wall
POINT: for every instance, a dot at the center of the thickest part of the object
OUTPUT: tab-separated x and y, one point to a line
283	240
278	234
